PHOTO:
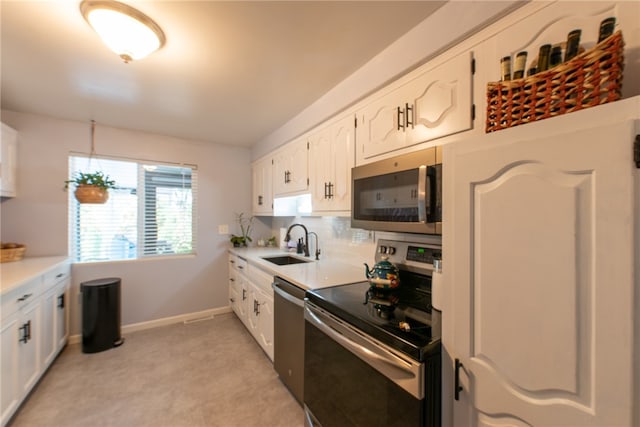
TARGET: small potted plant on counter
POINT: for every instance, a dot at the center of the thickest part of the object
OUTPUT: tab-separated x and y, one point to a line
91	187
245	228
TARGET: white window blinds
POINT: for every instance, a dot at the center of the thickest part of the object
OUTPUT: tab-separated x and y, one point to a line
150	213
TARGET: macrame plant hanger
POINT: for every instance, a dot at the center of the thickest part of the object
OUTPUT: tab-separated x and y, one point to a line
89	193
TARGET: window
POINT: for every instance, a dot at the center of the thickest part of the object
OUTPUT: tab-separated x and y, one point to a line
151	213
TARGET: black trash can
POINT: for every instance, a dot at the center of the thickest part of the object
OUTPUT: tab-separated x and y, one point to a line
100	314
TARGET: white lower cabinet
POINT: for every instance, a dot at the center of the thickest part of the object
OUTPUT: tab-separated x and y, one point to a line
10	397
251	298
54	319
30	330
33	332
234	286
20	345
261	318
244	297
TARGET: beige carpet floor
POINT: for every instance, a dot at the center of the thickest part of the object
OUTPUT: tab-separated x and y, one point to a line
208	373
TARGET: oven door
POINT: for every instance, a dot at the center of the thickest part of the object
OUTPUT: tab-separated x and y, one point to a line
352	380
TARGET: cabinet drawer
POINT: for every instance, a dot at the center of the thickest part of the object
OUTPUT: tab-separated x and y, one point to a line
16	299
241	265
237	263
56	275
261	279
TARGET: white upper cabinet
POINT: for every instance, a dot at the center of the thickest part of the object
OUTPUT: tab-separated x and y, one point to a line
8	161
331	157
262	170
290	168
436	103
539	234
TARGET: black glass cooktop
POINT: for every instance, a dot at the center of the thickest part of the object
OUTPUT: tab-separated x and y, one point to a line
407	327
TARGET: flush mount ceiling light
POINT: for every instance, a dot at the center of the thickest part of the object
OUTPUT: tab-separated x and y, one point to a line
125	30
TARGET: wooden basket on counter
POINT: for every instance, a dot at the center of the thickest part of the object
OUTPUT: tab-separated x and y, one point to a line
9	254
592	78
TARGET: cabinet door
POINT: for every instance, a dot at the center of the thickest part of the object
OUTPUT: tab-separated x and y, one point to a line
234	294
61	328
262	186
53	322
290	172
331	157
441	100
8	161
29	355
542	249
254	310
380	125
245	299
265	323
320	169
11	394
48	342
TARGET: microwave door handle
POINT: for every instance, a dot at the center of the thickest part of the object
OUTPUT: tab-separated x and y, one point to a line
424	194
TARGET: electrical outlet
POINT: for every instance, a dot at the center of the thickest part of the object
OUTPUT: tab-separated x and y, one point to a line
223	229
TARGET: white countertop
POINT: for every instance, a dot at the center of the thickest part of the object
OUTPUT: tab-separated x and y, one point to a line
16	273
312	275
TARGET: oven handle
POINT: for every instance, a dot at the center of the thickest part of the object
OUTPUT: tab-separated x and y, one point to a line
424	198
408	375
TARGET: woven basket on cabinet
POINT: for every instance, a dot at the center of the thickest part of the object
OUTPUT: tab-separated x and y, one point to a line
12	254
592	78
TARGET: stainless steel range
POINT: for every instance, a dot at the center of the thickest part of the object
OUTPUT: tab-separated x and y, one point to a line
372	349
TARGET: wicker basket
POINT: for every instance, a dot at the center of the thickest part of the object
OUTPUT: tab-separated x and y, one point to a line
12	254
589	79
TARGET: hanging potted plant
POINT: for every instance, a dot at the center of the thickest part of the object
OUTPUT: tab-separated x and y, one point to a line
245	227
91	187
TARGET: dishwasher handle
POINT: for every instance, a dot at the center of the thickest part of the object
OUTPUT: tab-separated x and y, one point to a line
287	296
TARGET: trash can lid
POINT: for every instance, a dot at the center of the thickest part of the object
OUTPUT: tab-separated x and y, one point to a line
101	282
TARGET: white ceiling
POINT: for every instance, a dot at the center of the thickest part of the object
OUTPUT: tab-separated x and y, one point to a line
231	72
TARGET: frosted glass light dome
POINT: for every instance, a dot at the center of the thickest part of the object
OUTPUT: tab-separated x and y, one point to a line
125	30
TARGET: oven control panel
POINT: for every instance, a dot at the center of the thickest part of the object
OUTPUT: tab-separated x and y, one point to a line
400	252
420	254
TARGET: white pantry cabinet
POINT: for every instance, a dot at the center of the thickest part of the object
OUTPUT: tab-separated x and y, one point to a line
262	171
436	103
331	157
290	168
541	234
8	161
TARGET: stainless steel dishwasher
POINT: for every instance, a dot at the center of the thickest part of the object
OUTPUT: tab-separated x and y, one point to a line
288	351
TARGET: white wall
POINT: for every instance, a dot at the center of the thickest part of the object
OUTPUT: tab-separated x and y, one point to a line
151	289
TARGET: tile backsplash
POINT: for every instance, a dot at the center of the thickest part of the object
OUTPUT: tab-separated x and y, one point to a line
337	240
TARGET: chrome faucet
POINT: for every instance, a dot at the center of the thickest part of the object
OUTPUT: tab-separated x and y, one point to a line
306	237
317	246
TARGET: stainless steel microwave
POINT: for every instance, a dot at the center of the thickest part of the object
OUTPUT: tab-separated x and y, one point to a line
402	194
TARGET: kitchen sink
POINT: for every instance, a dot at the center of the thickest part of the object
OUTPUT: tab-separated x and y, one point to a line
285	260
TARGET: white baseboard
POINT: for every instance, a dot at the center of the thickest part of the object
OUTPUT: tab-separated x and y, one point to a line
182	318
